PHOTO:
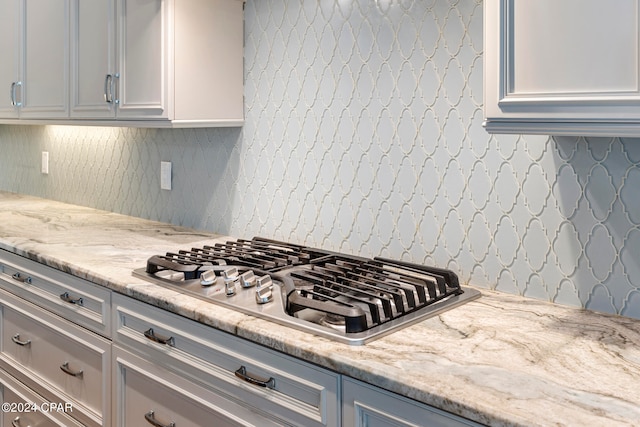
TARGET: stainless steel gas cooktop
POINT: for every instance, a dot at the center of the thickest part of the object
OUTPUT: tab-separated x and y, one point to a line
342	297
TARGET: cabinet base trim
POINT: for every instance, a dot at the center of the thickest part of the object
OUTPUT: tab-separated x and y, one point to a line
131	123
602	129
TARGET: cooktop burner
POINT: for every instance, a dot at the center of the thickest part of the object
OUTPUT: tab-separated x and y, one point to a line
342	297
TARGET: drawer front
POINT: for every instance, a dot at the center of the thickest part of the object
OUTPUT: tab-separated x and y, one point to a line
294	391
50	353
74	299
146	394
369	406
26	408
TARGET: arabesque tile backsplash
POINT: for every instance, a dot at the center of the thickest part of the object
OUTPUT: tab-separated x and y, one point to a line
364	134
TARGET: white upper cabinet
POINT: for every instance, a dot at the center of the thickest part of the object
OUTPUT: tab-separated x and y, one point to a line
93	58
10	48
564	67
170	63
45	59
34	71
146	58
121	61
146	63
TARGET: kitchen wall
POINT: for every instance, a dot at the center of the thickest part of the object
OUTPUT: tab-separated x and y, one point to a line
364	134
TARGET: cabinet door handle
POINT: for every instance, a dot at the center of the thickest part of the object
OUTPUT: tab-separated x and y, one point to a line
108	92
150	334
16	339
151	419
19	278
242	374
71	300
16	422
14	97
65	368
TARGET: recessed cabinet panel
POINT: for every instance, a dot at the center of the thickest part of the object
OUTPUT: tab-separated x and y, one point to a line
34	40
569	67
9	46
93	59
591	57
143	42
46	59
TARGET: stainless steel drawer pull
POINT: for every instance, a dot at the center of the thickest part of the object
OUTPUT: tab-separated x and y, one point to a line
150	334
262	382
16	339
19	278
16	422
151	419
65	368
68	298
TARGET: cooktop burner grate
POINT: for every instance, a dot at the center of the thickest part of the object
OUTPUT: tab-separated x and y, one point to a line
376	291
259	253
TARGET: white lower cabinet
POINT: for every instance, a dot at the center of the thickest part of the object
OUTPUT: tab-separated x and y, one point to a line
145	393
249	384
57	359
25	408
79	301
367	406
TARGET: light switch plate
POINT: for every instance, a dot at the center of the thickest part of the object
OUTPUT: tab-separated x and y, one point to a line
165	175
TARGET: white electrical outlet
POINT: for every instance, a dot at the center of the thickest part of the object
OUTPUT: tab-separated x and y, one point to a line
45	162
165	175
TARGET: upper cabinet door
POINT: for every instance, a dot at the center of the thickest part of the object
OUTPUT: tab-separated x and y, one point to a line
9	47
143	58
93	69
45	59
562	67
155	63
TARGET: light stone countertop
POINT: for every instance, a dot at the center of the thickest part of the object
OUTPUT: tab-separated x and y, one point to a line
502	360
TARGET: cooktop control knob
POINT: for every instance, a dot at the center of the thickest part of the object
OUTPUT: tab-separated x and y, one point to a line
248	279
264	291
207	278
230	278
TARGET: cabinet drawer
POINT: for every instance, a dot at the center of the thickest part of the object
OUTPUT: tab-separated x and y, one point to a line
365	405
294	391
27	408
145	393
54	357
74	299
